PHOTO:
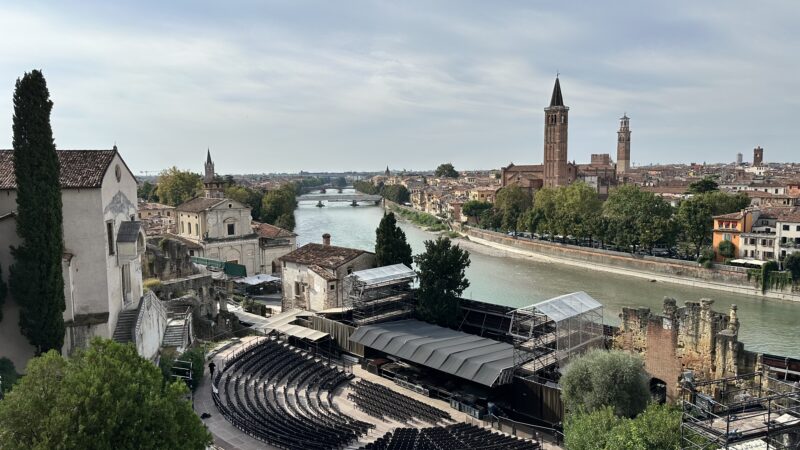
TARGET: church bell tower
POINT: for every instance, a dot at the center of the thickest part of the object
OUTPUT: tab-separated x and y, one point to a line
211	187
555	140
623	145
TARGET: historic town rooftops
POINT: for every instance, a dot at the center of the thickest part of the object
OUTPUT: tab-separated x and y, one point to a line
266	230
324	256
80	169
732	216
524	168
199	204
150	206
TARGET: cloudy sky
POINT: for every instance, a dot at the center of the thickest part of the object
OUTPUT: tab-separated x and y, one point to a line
290	85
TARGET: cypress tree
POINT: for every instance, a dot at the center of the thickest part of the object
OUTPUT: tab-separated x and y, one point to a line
36	281
390	243
3	292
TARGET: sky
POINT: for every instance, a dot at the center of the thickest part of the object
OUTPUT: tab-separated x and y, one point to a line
284	86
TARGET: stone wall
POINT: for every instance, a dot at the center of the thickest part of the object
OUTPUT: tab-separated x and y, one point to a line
665	269
692	337
166	259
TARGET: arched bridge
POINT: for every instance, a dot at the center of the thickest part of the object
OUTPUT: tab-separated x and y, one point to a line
349	198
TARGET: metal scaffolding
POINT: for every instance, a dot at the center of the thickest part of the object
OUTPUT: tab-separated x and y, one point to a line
548	334
380	295
753	411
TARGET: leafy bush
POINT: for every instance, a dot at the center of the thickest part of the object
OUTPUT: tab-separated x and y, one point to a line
8	373
606	378
726	249
658	427
706	258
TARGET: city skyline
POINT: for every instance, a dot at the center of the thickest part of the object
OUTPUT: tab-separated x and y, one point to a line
359	88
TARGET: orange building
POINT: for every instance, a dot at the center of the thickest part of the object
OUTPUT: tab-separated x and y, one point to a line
729	227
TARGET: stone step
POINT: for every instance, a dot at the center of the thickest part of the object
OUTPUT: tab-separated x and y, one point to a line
125	322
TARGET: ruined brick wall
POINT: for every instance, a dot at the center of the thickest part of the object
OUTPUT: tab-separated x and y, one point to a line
693	337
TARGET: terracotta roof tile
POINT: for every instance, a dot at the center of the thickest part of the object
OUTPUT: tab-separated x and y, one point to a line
325	256
79	168
266	230
199	204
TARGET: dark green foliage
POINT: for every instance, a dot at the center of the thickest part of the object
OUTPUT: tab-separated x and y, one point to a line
791	263
726	249
769	277
277	207
694	215
390	243
658	427
606	378
8	374
491	219
707	184
177	186
35	278
246	196
442	279
366	187
638	218
474	208
104	397
511	202
706	258
429	222
3	293
396	193
147	192
197	358
446	170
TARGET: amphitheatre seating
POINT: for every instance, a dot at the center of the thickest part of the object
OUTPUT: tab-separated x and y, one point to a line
453	437
282	396
379	401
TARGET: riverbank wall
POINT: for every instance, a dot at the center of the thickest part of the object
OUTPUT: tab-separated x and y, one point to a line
688	273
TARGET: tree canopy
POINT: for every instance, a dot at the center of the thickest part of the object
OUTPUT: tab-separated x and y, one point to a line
277	207
657	427
147	192
396	193
474	208
606	378
390	243
104	397
510	203
446	170
638	218
792	263
9	375
694	216
707	184
35	278
247	196
442	279
177	186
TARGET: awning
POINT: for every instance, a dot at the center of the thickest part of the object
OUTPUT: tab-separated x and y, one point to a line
257	279
481	360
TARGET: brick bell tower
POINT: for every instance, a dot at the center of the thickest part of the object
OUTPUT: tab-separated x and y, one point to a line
624	145
555	140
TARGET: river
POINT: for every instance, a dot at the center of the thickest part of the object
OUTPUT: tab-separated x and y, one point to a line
767	325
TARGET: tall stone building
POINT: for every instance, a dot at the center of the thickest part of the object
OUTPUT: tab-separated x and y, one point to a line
212	187
555	140
758	156
623	145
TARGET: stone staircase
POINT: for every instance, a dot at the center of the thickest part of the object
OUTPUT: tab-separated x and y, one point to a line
173	335
127	320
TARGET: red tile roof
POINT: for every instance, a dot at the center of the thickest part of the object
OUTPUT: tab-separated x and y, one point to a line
199	204
325	256
79	168
266	230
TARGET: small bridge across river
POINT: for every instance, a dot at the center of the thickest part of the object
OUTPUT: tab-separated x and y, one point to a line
348	198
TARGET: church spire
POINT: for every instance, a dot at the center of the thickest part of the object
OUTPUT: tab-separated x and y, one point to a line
557	99
208	157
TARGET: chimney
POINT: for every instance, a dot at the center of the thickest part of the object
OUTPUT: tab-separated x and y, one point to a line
326	239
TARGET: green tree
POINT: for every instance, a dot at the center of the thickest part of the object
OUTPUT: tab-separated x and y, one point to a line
8	375
366	187
695	215
658	427
390	243
545	211
707	184
279	204
638	218
35	278
511	202
147	192
577	206
396	193
726	249
491	219
177	186
792	263
446	170
442	279
606	378
474	208
250	197
104	397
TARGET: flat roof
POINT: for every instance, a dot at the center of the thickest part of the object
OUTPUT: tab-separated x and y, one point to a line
567	306
467	356
384	274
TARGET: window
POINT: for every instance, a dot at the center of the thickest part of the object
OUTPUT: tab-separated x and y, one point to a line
191	252
110	235
168	214
786	227
798	228
297	289
231	229
190	227
126	283
349	270
182	228
332	286
726	236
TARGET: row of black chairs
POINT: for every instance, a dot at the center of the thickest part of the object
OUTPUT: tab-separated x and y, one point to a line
380	401
282	396
453	437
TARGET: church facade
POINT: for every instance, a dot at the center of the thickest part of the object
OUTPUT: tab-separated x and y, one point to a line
601	173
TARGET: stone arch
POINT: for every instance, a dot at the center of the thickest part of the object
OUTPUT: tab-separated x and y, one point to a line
658	390
232	254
